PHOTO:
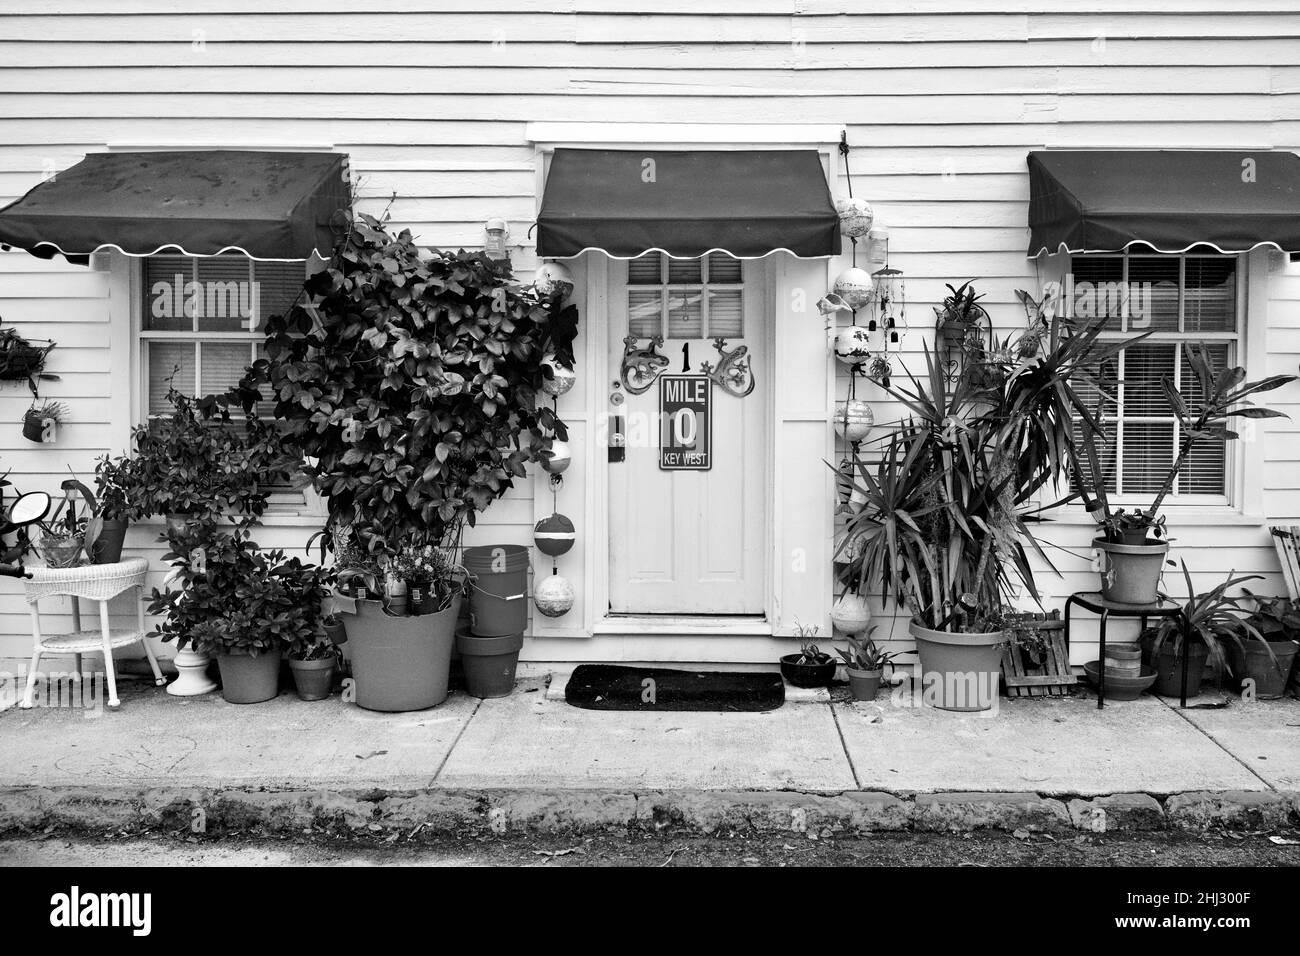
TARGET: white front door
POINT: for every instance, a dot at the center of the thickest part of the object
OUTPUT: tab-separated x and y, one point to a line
686	539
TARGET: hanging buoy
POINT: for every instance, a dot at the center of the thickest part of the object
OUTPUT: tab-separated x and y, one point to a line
554	596
561	377
553	280
554	535
851	614
853	345
854	420
854	287
855	215
556	458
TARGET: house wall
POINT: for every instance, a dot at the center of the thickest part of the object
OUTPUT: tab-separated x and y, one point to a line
941	100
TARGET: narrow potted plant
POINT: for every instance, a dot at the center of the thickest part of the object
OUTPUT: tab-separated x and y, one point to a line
1134	542
865	665
944	528
114	489
1214	619
412	383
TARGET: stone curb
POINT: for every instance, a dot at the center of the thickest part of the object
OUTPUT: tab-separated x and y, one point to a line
814	815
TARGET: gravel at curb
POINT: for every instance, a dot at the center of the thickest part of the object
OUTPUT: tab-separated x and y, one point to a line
138	810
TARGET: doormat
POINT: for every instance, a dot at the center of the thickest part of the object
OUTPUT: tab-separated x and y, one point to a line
615	687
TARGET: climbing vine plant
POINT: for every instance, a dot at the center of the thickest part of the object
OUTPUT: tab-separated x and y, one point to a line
412	384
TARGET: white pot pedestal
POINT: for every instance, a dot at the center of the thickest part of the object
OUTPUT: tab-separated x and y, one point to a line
193	670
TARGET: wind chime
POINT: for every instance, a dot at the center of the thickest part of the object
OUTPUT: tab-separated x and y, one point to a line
554	596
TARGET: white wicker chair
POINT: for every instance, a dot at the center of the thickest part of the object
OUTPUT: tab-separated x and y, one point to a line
95	582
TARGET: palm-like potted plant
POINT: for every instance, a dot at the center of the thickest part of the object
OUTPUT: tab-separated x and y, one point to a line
1210	621
865	664
1135	541
944	530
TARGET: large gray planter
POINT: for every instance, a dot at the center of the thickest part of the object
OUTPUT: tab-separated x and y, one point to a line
959	671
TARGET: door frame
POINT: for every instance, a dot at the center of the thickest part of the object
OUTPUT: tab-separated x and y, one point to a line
597	270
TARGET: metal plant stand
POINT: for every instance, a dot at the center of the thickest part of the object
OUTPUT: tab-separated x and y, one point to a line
1094	602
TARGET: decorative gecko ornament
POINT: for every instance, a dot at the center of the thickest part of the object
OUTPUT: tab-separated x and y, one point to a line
641	366
733	373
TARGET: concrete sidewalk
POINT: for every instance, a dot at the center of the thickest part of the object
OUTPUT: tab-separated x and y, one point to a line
530	761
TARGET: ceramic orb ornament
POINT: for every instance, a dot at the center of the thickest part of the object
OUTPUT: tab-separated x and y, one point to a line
560	379
854	287
554	596
553	279
856	217
850	614
554	535
854	420
557	457
853	345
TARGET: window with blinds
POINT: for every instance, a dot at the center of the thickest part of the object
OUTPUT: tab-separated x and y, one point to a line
1190	299
685	298
203	323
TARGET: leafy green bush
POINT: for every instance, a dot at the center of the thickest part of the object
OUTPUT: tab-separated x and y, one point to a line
414	384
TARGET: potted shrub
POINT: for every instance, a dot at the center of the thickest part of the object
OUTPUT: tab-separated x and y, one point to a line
1134	561
944	528
865	664
412	384
1214	619
114	490
1278	622
958	315
811	667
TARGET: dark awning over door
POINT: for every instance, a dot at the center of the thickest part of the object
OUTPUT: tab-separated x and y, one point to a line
745	202
269	205
1105	200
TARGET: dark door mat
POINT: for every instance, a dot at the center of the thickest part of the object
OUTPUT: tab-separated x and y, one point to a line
615	687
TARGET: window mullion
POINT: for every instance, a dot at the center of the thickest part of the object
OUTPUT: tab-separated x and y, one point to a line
1119	425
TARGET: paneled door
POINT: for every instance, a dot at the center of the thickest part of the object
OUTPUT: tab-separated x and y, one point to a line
687	497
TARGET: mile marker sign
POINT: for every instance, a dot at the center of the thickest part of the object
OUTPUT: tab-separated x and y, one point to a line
685	423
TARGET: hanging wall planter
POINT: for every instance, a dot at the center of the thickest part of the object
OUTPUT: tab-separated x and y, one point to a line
41	422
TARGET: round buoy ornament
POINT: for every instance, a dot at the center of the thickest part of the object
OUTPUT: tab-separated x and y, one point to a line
854	420
851	614
554	535
554	596
553	280
556	458
853	345
556	378
855	215
854	287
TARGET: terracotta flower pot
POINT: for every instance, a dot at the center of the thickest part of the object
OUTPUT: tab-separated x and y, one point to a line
1254	664
1169	669
313	679
246	679
864	685
489	663
1132	571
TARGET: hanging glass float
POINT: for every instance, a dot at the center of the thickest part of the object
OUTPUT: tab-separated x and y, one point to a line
853	345
853	285
560	379
554	596
854	420
553	281
554	535
851	614
855	215
877	248
556	458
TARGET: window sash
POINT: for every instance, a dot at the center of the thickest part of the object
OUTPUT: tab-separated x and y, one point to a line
698	294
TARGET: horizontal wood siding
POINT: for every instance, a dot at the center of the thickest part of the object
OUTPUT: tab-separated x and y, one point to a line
941	99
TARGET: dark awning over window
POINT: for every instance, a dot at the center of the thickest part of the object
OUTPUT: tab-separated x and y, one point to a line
1105	200
745	202
202	202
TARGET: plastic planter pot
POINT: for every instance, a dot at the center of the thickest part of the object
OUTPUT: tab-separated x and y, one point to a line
1169	669
498	601
807	675
959	671
401	663
246	679
1132	571
489	663
108	546
337	632
313	679
1255	664
863	685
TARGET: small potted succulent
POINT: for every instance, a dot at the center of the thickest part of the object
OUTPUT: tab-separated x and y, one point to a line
34	419
865	664
811	667
1214	620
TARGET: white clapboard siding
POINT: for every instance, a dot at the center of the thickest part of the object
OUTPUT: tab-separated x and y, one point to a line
941	100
